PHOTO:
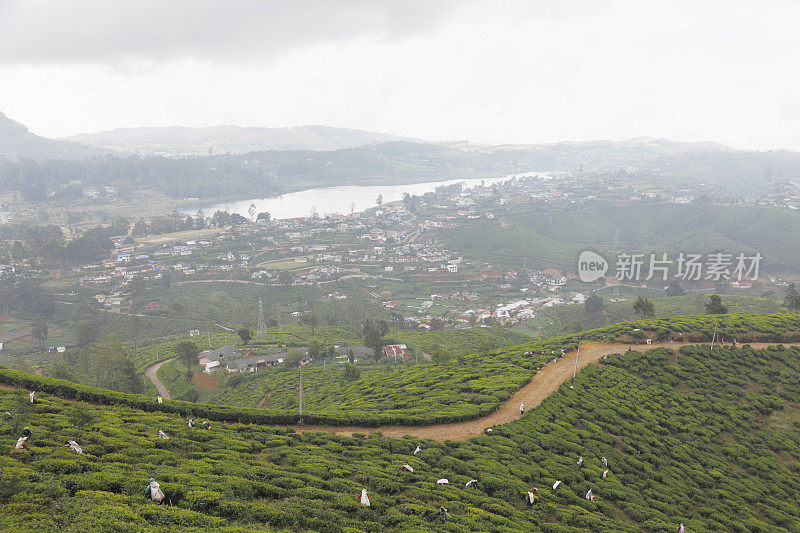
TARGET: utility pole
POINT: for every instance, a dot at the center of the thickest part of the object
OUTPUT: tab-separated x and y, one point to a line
301	392
714	336
261	332
577	355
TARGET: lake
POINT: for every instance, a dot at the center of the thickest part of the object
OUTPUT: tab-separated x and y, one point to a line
343	199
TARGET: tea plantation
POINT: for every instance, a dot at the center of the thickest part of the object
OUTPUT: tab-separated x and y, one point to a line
708	439
470	386
458	390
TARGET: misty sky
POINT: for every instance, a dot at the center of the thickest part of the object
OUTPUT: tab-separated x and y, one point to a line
495	72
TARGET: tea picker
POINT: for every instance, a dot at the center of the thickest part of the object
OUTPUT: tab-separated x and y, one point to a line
22	442
364	498
8	416
408	468
33	397
590	495
72	445
206	425
532	496
580	461
191	422
472	483
443	514
521	408
417	450
153	491
681	529
162	435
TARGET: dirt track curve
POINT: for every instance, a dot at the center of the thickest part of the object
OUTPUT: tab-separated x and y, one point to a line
150	372
543	384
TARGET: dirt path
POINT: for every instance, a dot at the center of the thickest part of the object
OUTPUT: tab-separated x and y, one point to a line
150	372
543	384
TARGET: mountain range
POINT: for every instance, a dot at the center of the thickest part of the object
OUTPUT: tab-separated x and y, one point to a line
324	156
185	141
16	142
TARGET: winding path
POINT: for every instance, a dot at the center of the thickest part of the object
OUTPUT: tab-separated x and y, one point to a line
543	384
151	371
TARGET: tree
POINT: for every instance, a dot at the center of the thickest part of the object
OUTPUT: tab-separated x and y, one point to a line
167	277
85	332
328	353
111	368
315	349
187	352
263	217
312	320
60	370
39	330
374	332
293	357
792	298
285	278
715	306
140	229
351	372
594	303
191	395
644	308
436	324
407	201
675	289
379	200
440	355
245	334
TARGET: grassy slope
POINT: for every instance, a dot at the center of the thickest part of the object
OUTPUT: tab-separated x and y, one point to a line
462	341
560	319
703	439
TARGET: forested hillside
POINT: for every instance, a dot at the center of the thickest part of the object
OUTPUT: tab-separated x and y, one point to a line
551	238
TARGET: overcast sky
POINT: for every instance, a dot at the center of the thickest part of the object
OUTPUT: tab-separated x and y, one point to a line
495	72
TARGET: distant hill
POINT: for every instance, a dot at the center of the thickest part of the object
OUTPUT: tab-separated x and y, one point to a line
16	142
628	147
179	140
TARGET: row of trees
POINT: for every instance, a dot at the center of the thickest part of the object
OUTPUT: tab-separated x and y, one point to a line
645	308
176	177
47	244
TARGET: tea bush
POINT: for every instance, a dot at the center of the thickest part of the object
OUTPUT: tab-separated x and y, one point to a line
710	439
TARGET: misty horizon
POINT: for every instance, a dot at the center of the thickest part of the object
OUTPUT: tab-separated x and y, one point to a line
517	73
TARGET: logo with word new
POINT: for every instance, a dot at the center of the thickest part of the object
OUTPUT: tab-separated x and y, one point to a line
591	266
